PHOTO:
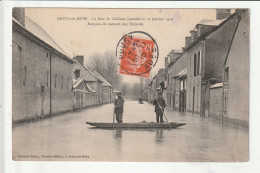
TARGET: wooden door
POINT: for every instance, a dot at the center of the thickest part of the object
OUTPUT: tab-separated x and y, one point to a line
42	100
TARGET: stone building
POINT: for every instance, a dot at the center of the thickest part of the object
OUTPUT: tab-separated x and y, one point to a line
41	72
236	74
210	78
206	56
89	78
177	83
107	89
84	95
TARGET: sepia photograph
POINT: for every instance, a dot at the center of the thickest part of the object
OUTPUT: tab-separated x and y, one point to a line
130	85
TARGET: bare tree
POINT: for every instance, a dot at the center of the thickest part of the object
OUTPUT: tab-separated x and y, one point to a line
107	66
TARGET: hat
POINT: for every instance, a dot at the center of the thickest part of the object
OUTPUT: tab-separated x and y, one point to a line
119	93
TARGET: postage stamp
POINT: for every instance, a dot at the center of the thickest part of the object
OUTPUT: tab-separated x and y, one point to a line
137	53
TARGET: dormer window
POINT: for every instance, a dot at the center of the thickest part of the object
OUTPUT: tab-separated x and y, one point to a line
77	74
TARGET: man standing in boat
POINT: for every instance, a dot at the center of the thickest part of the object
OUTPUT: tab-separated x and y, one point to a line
159	108
119	108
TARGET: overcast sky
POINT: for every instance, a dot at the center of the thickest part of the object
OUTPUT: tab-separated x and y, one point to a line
76	37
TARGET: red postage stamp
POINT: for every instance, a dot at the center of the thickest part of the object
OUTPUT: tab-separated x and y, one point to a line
138	53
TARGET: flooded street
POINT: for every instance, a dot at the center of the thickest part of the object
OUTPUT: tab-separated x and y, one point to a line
67	137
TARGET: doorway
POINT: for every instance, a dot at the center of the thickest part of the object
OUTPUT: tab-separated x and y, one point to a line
193	100
42	100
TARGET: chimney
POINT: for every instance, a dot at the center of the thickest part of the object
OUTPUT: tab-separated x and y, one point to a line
222	13
204	29
19	15
80	59
193	35
187	41
166	61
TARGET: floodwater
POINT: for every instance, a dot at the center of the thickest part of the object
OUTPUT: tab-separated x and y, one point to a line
67	137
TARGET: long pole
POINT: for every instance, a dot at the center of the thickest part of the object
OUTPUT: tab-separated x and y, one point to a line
164	114
113	119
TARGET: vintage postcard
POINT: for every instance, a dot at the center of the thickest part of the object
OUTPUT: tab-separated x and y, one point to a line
130	85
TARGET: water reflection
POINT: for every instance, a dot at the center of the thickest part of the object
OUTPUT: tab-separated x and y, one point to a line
117	134
200	140
159	136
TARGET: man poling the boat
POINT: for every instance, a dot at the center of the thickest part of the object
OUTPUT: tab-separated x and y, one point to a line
119	108
159	108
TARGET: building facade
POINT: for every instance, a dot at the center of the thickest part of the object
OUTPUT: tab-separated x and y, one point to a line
90	80
236	74
84	95
107	89
212	72
41	72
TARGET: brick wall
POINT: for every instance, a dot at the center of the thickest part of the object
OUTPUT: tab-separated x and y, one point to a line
215	103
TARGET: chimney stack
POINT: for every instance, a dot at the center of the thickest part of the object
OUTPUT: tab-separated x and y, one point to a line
80	59
202	29
166	61
19	15
187	41
193	35
222	13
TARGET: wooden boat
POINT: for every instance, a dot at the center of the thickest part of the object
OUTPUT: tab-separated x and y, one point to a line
137	125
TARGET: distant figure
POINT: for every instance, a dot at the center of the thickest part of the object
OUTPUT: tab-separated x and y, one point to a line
119	108
159	108
140	100
162	85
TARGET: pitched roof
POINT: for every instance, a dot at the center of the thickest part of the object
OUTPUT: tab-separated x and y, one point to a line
210	22
40	33
34	30
208	33
79	81
85	73
174	51
90	89
204	36
105	82
181	74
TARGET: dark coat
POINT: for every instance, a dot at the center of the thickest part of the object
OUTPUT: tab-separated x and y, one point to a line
119	105
161	101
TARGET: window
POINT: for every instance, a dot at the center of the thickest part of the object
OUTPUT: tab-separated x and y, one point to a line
55	82
181	85
25	73
195	64
47	82
77	74
198	97
61	82
198	63
226	75
68	83
184	84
